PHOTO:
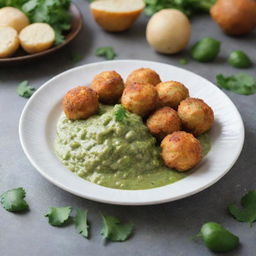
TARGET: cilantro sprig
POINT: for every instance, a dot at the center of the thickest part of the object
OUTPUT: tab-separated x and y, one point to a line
81	222
25	90
248	211
58	216
120	113
107	52
114	230
240	83
13	200
189	7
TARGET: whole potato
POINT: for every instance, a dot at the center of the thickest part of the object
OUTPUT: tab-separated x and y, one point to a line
168	31
235	17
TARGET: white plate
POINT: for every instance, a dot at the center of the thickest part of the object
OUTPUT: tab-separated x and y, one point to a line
38	129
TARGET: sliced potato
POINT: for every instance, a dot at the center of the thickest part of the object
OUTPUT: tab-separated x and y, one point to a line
9	41
116	15
37	37
14	18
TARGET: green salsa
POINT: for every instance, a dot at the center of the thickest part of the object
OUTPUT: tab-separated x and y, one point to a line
113	153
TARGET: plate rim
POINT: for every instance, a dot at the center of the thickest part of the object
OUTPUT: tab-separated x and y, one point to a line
108	201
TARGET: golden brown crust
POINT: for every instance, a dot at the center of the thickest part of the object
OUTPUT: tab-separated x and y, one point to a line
235	17
196	115
143	75
139	98
181	150
171	93
115	21
80	103
109	85
164	121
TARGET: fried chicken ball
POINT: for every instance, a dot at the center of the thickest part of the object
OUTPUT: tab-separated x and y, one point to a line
80	103
164	121
144	76
109	85
196	115
171	93
181	150
140	99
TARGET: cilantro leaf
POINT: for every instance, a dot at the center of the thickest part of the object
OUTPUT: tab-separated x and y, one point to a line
248	211
188	7
81	223
25	90
58	216
76	58
13	200
114	230
107	52
240	83
120	113
183	61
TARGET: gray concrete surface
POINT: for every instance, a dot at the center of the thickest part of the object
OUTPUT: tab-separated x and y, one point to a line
161	230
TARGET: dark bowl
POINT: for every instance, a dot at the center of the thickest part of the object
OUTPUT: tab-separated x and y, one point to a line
22	57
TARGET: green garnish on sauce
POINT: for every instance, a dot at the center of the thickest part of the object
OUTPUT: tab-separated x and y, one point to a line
25	90
206	49
248	211
107	52
58	216
13	200
120	113
240	83
239	59
217	238
114	230
81	223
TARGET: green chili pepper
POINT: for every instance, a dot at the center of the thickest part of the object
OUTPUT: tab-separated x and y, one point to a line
206	49
239	59
217	238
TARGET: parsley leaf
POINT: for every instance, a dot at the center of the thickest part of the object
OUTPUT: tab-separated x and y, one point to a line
248	212
25	90
76	58
240	83
114	230
58	216
189	7
81	224
13	200
120	113
107	52
183	61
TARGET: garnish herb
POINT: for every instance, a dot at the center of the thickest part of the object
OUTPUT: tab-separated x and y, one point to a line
114	230
189	7
240	83
248	211
75	58
81	223
107	52
25	90
239	59
120	113
58	216
206	49
217	238
13	200
183	61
